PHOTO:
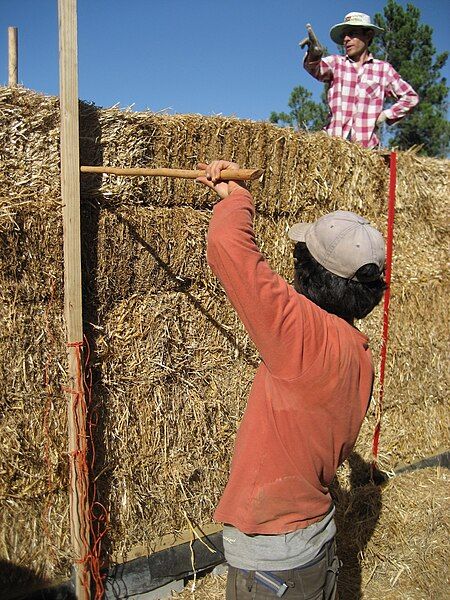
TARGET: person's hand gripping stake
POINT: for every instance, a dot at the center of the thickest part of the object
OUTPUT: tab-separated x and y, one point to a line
212	179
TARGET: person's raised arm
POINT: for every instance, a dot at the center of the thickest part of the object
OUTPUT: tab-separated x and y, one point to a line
267	305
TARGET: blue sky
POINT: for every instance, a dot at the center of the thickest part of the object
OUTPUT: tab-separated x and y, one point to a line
239	57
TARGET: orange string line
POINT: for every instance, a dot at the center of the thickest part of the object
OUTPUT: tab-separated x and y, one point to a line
95	514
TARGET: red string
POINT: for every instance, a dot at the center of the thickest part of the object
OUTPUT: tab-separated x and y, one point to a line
78	468
93	511
98	515
387	297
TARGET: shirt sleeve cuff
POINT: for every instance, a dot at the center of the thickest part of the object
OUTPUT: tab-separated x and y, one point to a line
239	196
389	114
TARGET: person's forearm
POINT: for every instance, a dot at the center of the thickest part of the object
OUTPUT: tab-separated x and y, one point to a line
317	67
407	98
402	107
312	65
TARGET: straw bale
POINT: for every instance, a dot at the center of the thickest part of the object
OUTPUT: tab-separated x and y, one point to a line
171	363
34	467
408	554
29	135
393	541
415	398
31	261
35	543
141	249
175	384
285	153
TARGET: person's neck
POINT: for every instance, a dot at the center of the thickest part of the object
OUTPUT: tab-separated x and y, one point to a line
361	59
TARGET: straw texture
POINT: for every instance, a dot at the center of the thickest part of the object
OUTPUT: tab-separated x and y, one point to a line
171	364
393	541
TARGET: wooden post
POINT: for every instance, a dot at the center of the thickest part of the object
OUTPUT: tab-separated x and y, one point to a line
70	191
12	57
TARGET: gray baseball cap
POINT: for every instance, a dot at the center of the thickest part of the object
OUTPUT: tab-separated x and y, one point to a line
342	242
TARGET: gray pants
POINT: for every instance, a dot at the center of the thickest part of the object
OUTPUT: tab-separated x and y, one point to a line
317	581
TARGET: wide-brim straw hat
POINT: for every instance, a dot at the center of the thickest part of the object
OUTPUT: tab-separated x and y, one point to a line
353	19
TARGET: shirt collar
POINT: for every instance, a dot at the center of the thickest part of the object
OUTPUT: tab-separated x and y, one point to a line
369	59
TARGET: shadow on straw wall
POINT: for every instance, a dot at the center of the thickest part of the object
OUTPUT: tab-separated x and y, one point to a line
183	285
91	153
22	583
357	513
22	580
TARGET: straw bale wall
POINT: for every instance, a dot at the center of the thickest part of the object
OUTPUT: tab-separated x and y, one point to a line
171	364
405	557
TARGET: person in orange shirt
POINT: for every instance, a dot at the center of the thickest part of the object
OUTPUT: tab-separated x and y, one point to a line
309	396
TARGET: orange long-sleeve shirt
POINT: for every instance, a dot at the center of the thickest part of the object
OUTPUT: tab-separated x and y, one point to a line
310	393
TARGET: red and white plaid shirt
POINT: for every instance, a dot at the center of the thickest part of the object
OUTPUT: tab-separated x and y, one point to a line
356	96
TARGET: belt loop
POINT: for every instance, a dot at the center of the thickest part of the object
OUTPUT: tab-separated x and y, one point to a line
250	580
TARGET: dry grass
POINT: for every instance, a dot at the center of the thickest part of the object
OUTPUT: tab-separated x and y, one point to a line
171	364
393	541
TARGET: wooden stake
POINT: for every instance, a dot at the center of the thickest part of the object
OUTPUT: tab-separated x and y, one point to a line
70	191
12	57
226	174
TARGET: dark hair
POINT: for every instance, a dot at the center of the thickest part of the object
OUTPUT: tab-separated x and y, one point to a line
347	298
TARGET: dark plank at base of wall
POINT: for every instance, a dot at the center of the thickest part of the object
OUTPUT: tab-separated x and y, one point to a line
147	573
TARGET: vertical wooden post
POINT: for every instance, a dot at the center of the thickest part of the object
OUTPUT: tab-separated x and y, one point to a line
12	57
70	191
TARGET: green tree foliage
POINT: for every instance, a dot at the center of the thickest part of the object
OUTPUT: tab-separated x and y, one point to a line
408	46
304	113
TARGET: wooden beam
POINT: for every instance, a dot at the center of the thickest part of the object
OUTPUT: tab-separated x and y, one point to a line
170	540
12	57
147	573
70	191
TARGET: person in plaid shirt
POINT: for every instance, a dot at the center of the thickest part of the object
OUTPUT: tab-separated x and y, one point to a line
358	83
